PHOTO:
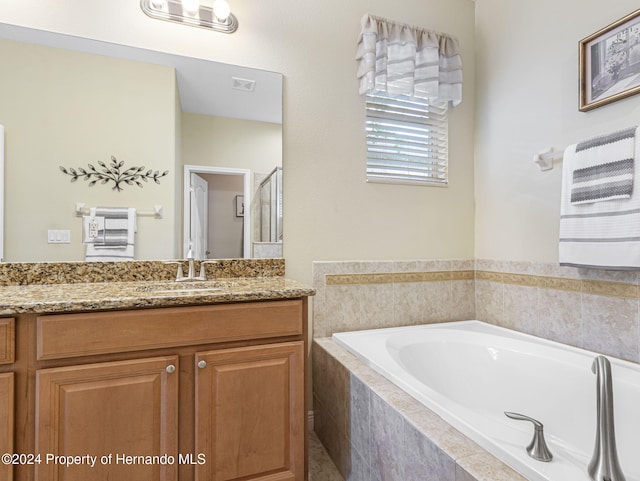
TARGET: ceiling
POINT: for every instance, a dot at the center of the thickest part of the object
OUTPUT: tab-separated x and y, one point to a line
205	87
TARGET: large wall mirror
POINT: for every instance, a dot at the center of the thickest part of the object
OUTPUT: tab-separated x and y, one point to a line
76	103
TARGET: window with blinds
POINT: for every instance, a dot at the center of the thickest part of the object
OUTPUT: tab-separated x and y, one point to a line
406	140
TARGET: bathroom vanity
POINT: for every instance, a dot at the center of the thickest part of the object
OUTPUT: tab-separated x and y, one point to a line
154	381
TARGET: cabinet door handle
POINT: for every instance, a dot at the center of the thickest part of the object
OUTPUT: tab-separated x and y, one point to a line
171	369
202	364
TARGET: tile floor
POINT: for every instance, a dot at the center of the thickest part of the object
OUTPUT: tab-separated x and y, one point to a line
321	468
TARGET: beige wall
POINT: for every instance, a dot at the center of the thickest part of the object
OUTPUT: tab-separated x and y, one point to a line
234	143
178	182
330	212
527	101
72	109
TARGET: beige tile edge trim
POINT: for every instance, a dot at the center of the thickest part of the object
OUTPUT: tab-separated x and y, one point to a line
397	277
585	286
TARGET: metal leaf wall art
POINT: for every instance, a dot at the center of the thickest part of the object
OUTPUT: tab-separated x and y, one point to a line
114	172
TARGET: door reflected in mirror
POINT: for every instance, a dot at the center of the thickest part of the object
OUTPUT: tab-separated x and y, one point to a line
270	212
73	102
216	227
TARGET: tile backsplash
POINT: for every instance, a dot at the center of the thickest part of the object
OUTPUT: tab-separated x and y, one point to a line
594	309
27	273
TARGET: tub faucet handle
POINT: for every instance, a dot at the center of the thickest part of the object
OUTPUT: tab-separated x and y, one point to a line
537	448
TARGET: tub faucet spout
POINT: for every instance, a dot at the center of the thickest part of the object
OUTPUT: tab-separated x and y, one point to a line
604	465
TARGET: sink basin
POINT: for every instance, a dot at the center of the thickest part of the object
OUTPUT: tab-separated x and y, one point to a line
200	290
192	287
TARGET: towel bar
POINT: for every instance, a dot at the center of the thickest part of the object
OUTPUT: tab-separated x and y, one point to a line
156	213
545	158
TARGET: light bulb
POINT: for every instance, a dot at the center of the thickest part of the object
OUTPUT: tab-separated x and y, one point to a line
192	7
221	9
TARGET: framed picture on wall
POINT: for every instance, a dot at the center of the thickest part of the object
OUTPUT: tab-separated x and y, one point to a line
610	63
239	205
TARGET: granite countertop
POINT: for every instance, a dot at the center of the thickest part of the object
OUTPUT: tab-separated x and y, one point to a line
52	298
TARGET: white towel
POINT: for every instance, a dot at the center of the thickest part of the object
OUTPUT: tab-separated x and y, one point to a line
116	241
598	234
603	167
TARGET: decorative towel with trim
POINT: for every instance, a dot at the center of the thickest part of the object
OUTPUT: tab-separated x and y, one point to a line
600	234
116	240
603	167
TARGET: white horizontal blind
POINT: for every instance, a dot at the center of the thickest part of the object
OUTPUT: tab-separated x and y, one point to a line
406	140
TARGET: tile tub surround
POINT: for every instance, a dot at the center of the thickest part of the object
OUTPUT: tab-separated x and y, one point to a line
589	308
26	273
370	294
374	431
362	419
593	309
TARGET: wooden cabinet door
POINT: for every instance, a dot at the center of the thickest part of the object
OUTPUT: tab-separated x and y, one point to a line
250	420
6	422
108	410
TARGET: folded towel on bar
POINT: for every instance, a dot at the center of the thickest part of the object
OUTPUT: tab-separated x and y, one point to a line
603	167
116	227
116	240
602	234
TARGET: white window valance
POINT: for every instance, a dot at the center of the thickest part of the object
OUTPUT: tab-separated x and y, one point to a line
401	59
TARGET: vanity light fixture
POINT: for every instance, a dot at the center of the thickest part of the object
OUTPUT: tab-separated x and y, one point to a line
217	17
191	7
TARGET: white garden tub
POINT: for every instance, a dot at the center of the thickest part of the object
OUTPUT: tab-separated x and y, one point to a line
470	372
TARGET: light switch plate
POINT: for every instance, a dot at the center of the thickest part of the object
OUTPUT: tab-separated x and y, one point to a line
56	236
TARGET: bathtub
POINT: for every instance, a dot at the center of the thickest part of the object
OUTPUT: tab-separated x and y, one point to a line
470	372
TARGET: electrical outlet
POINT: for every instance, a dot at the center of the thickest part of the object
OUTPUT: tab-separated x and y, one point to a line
55	236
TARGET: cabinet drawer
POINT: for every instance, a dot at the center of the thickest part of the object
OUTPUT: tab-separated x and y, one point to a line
73	335
7	340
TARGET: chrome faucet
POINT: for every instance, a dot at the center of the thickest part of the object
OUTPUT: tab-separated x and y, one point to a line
191	273
604	465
